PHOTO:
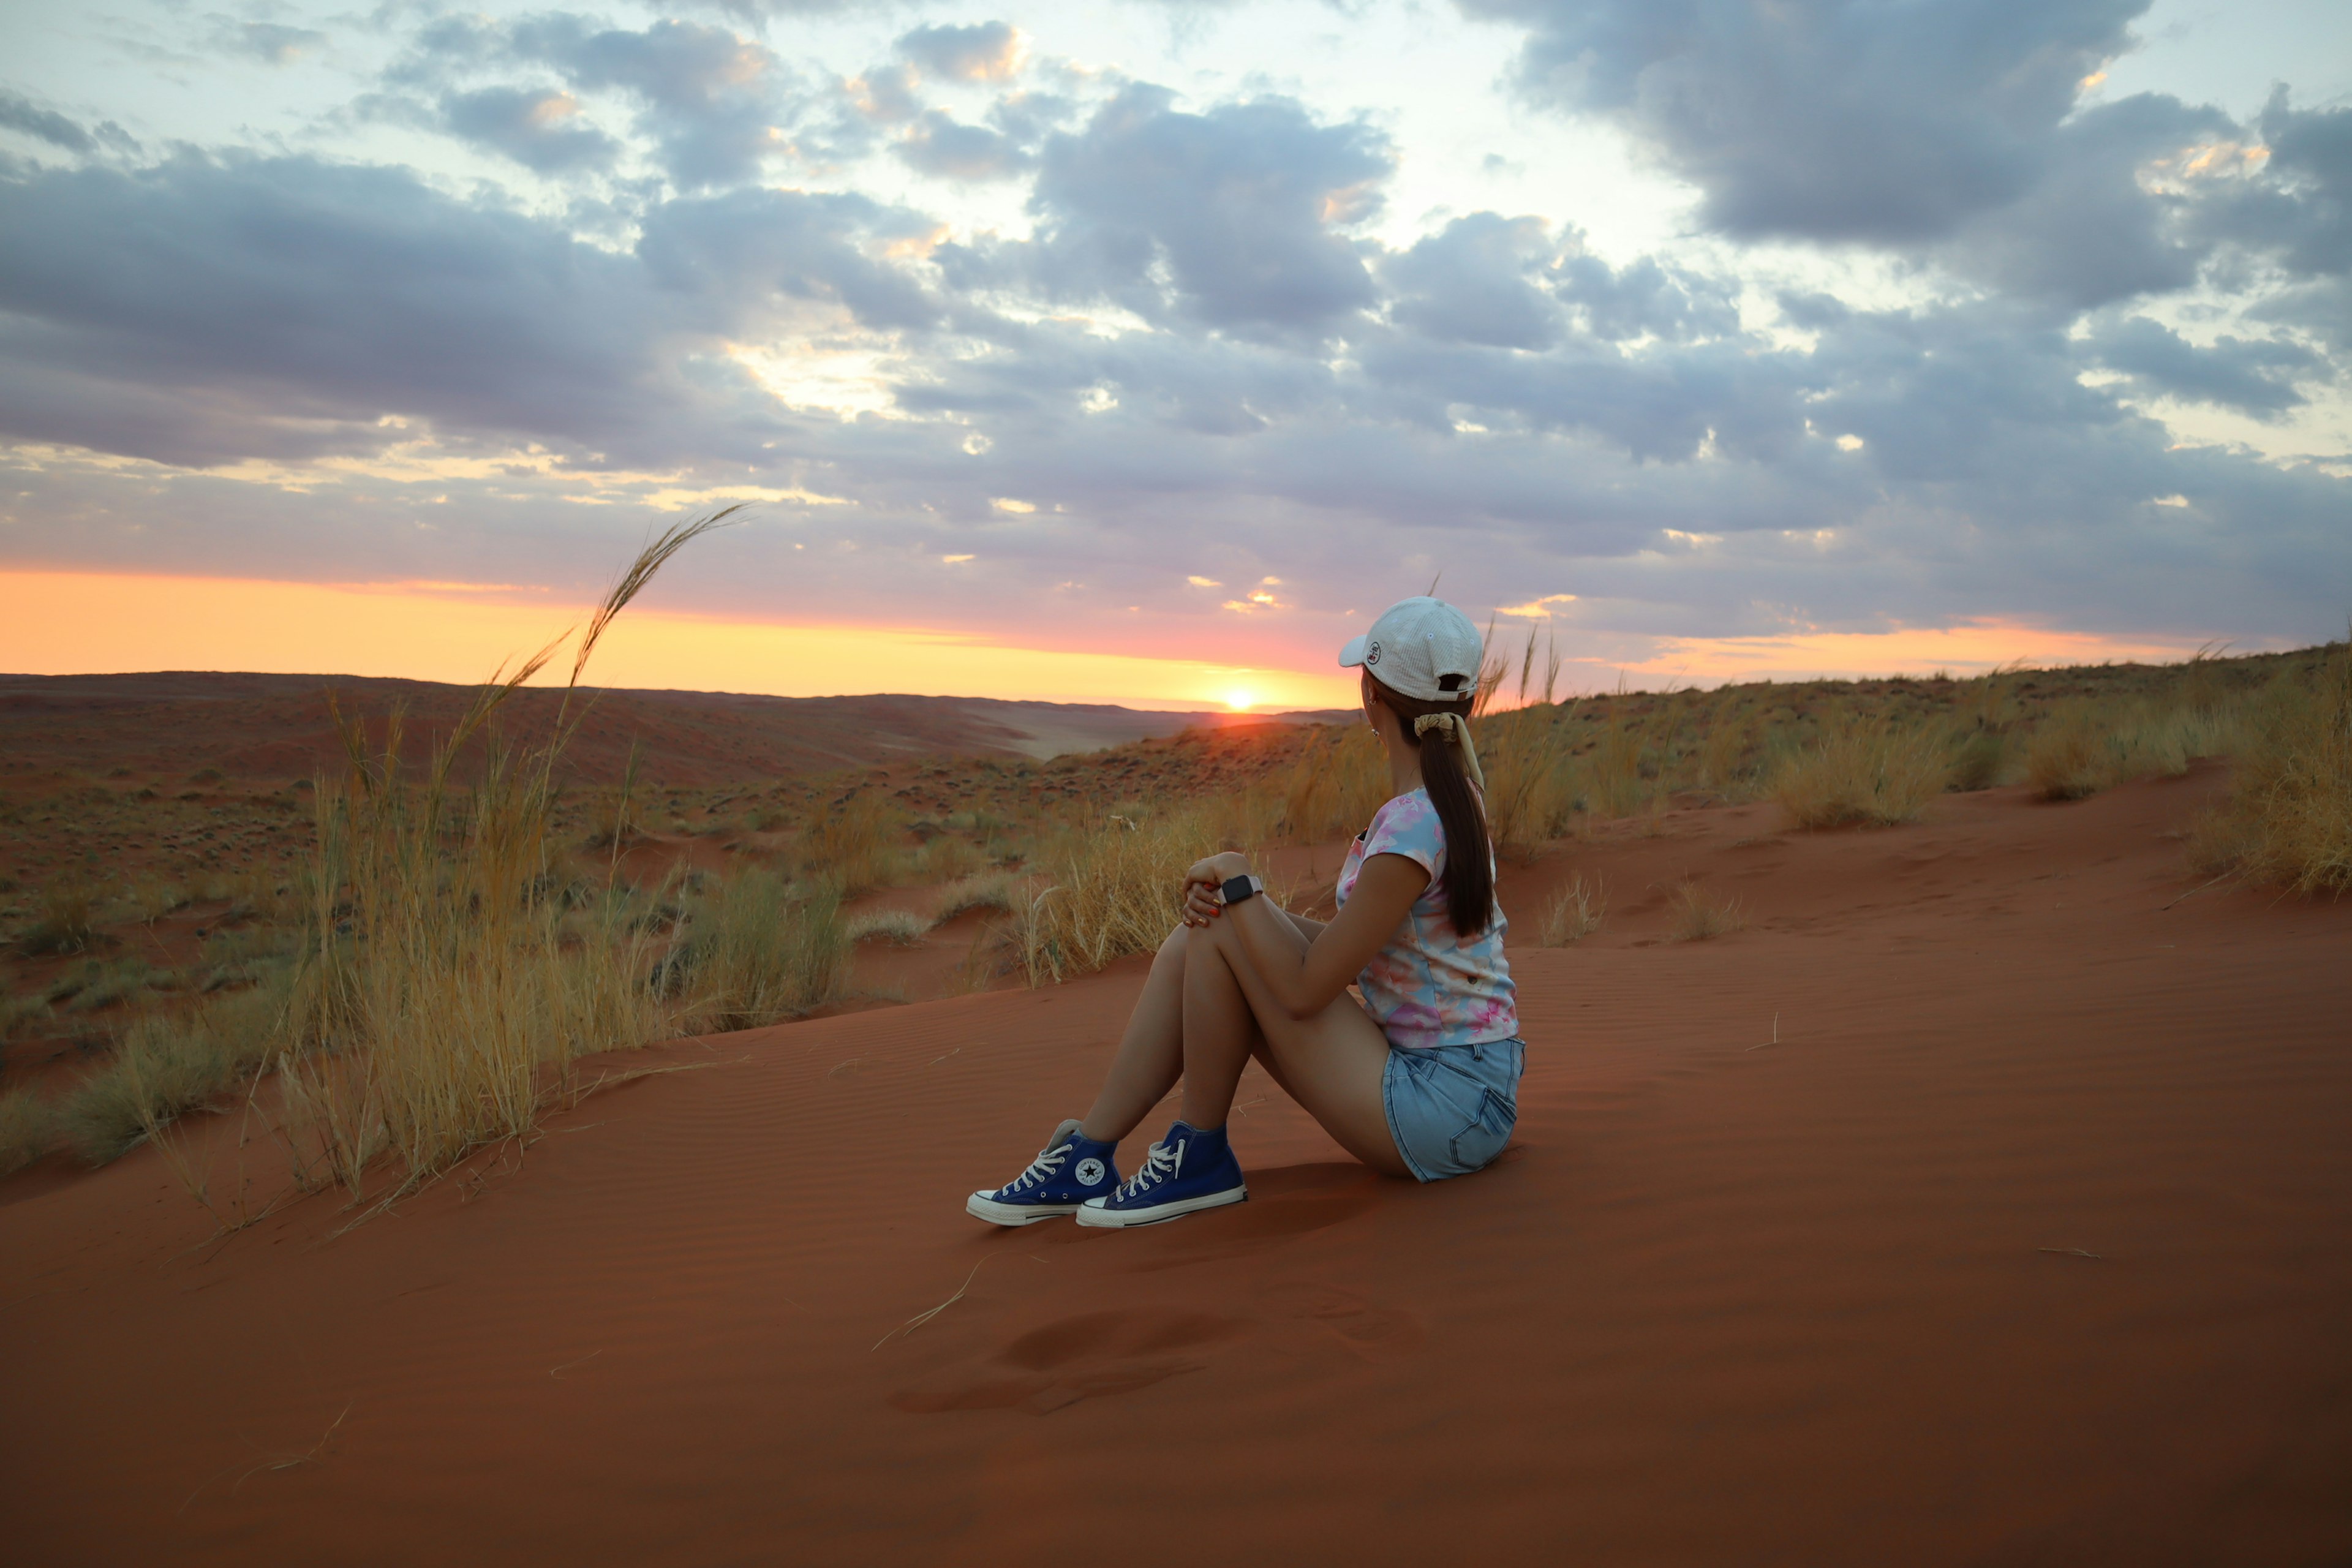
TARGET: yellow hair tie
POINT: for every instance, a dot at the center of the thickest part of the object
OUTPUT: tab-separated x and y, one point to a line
1457	732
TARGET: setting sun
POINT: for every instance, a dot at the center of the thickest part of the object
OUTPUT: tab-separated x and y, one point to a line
1240	701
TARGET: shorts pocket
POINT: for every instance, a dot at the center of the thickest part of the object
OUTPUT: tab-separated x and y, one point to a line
1478	1143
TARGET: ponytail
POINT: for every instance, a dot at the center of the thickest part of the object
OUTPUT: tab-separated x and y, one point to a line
1440	732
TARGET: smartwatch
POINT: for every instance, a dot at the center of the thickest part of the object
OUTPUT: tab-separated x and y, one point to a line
1240	888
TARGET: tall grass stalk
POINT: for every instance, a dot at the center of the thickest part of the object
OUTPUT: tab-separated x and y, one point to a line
439	985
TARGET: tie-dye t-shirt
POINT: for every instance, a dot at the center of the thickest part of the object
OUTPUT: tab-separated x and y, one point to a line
1429	986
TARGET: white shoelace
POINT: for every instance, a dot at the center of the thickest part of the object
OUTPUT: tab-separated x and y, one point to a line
1048	1162
1161	1164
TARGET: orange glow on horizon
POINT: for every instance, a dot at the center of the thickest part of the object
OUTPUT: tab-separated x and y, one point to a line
70	623
60	622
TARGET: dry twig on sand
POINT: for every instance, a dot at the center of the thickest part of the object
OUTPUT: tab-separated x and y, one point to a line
920	1319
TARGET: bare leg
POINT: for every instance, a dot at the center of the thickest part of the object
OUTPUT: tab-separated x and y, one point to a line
1332	1064
1150	1053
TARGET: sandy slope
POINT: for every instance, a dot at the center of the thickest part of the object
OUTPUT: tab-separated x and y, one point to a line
1818	1301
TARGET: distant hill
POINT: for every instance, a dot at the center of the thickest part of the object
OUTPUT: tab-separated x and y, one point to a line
280	727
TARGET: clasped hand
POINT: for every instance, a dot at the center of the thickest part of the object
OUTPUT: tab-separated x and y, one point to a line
1202	899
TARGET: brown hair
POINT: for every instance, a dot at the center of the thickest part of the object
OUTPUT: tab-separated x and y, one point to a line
1469	876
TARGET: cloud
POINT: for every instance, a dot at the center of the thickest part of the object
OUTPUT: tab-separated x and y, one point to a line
540	129
1840	119
1473	282
205	309
713	104
2255	376
985	51
940	146
730	257
1954	133
21	114
271	42
2299	215
1241	208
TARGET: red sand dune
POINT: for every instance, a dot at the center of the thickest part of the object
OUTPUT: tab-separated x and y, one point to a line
2023	1244
280	727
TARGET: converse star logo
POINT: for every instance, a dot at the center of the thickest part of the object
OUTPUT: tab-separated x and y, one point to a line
1090	1172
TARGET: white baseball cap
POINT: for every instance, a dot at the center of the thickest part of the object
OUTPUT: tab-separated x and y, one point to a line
1421	647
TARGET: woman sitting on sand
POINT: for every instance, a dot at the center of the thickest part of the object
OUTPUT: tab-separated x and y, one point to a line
1422	1080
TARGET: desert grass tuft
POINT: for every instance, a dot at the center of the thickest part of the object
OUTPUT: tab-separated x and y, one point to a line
854	841
1698	916
984	892
1575	912
67	922
1875	774
28	1128
165	1067
903	927
2288	820
762	950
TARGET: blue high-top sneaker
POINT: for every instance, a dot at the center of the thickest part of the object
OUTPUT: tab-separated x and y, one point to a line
1068	1170
1187	1170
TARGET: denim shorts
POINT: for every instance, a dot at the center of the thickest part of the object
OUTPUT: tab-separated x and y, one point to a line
1451	1108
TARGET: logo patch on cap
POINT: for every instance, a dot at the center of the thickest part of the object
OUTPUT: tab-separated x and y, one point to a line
1371	653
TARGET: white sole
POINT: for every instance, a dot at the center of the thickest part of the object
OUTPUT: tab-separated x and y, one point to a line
979	1205
1089	1213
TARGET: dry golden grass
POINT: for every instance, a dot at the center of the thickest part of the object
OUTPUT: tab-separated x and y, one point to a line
1531	782
1876	774
2288	821
28	1128
1575	912
1697	915
1616	785
855	843
1338	780
442	982
1114	890
167	1065
2072	754
2084	747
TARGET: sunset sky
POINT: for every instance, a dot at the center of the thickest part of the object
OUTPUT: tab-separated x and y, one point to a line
1141	351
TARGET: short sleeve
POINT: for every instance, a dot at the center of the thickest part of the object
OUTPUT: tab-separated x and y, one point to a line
1408	826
